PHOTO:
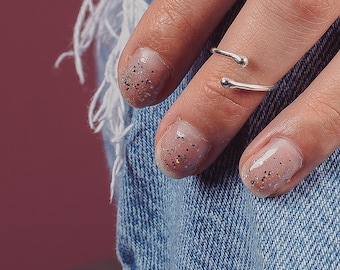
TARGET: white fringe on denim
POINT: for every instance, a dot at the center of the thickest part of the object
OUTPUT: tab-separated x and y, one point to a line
109	22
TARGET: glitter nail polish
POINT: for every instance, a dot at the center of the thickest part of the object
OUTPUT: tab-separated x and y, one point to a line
143	78
181	150
272	167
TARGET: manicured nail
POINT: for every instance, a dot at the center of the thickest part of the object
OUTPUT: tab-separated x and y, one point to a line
143	78
181	150
272	167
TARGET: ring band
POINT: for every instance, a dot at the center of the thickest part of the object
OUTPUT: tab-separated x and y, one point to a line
230	84
239	59
243	62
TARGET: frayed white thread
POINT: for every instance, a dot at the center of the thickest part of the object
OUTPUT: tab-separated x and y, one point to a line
83	35
110	23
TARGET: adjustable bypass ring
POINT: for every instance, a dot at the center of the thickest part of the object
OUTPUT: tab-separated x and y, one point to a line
239	59
230	84
243	62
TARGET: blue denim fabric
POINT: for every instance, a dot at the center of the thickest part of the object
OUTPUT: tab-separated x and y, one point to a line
210	221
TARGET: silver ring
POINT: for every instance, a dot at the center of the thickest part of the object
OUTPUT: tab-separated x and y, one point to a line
243	62
239	59
230	84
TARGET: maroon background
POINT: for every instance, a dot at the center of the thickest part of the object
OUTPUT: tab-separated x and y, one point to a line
54	184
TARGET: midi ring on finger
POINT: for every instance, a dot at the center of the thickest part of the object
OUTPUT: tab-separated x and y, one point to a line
243	62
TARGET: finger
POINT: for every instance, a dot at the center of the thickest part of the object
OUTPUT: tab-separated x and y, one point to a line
273	35
164	45
297	140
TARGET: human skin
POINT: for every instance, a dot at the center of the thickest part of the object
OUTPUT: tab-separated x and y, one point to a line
274	35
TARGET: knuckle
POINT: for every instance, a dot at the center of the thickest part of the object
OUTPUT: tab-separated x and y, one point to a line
314	11
167	22
225	103
180	16
327	114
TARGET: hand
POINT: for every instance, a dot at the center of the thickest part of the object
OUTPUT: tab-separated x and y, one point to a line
274	35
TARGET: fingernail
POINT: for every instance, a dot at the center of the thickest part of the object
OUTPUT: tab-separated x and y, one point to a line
181	150
143	78
272	167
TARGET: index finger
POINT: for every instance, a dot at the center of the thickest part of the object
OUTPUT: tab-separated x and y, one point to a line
164	45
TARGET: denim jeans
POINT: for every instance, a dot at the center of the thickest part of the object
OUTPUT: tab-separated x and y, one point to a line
210	221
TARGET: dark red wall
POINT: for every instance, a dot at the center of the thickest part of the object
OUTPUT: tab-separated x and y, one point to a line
54	183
